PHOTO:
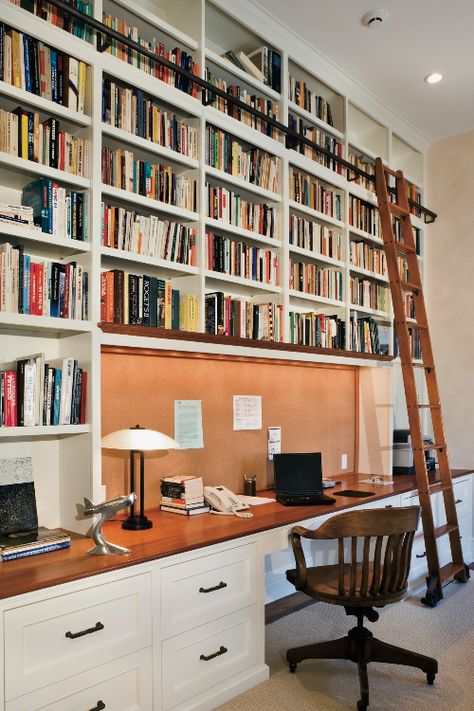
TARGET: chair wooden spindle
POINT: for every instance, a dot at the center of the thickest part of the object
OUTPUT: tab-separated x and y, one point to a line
374	588
365	567
340	546
353	565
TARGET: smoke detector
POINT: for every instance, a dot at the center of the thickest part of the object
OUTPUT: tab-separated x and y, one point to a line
374	18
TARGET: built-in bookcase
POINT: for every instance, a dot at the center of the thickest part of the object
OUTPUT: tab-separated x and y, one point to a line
280	255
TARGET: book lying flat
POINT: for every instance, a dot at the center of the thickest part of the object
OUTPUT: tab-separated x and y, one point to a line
15	553
36	538
186	512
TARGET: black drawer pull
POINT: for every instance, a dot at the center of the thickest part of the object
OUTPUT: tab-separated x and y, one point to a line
389	506
216	587
458	501
99	707
222	650
73	635
420	555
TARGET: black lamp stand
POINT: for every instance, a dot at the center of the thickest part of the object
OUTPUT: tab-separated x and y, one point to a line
140	522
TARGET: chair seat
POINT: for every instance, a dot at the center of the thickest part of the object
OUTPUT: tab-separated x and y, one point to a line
323	584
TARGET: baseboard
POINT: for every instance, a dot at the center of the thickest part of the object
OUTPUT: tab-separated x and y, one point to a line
286	605
228	690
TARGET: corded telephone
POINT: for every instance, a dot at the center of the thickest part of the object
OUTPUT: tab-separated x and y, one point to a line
225	502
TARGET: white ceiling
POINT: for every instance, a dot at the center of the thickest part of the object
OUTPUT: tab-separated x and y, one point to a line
391	60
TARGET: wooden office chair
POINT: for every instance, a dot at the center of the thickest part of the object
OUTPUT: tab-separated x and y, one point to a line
375	574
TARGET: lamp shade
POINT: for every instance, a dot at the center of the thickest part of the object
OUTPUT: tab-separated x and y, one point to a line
138	439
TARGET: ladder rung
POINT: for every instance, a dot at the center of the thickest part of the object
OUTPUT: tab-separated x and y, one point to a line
389	171
409	286
415	324
397	210
438	487
444	530
404	248
427	366
429	407
427	447
448	572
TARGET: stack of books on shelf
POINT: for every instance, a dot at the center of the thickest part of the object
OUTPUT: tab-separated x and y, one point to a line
263	64
317	330
29	543
316	280
315	237
365	164
177	56
367	336
146	301
311	192
226	315
242	260
364	216
183	495
58	18
34	393
24	136
31	65
299	93
369	294
58	211
366	256
19	215
37	287
131	110
231	209
322	139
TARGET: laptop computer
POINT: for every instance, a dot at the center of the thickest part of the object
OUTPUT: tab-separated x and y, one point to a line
299	479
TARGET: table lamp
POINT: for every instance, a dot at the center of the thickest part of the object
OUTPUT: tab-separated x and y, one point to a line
138	440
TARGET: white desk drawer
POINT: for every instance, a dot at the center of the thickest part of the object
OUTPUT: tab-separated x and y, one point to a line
463	497
229	646
200	590
121	685
56	638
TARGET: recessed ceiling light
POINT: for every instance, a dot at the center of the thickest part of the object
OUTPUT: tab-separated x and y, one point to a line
433	78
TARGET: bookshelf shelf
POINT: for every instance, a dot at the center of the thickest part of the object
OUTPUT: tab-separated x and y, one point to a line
240	281
149	203
20	167
112	254
316	256
367	310
28	234
363	150
295	294
230	68
367	273
243	131
122	136
38	103
224	177
41	431
219	226
31	324
299	111
365	235
315	214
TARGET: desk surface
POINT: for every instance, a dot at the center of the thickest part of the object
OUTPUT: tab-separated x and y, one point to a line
173	534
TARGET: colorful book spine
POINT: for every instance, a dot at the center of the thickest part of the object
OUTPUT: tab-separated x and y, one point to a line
14	555
231	209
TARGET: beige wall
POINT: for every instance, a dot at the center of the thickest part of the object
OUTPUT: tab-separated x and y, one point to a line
450	296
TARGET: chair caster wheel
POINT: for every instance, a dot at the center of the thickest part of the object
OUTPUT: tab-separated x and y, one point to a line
430	677
361	706
293	666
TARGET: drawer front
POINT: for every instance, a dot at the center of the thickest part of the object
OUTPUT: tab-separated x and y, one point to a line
418	564
228	645
53	639
122	685
463	497
199	590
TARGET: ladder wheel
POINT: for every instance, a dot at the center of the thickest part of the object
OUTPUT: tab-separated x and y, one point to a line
361	706
293	666
430	677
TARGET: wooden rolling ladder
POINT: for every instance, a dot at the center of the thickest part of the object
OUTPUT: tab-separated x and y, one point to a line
405	246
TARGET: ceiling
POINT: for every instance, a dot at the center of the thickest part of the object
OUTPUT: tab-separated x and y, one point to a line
391	60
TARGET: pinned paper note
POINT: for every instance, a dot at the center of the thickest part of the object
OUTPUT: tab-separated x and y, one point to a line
188	424
247	412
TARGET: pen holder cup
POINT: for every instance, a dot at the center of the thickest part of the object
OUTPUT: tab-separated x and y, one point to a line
250	486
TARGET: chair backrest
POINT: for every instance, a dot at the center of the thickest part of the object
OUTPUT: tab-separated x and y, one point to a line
385	536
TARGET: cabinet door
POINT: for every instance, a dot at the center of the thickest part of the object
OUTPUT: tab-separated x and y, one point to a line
52	639
199	590
122	685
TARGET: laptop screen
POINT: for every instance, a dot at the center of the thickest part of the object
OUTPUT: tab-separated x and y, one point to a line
298	473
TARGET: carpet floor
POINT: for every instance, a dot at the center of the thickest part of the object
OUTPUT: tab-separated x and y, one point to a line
446	633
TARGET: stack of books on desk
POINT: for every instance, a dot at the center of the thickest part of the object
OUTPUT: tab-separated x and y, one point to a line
41	540
183	495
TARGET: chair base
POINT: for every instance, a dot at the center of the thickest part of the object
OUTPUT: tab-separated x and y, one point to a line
361	647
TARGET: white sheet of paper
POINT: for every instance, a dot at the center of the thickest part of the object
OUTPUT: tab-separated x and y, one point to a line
188	424
247	412
254	500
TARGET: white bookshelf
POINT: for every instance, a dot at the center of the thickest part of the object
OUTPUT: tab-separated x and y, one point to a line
206	29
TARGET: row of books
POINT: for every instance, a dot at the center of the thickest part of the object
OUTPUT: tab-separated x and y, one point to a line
58	18
366	336
322	139
371	294
131	231
29	64
41	288
415	344
397	231
309	191
366	256
27	544
265	106
22	135
403	267
183	495
57	210
299	93
236	316
315	237
34	393
362	163
240	259
410	306
315	279
317	330
177	56
230	208
131	110
146	301
121	170
251	164
20	215
263	64
364	216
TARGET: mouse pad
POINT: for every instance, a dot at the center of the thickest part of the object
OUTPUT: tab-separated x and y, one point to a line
355	494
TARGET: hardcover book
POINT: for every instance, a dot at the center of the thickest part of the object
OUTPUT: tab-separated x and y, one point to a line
17	496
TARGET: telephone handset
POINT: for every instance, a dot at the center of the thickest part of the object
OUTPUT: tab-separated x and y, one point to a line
225	502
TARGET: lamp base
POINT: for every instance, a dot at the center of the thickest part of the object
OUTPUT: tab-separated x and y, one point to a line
137	523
